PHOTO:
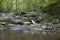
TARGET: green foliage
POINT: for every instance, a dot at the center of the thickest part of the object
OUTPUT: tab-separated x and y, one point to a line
20	5
48	2
53	9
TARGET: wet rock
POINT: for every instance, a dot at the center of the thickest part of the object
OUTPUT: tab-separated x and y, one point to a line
1	27
3	23
17	20
17	17
9	20
23	13
26	23
55	21
2	18
11	24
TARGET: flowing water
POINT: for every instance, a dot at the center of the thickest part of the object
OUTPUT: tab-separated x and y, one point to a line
17	27
33	22
18	32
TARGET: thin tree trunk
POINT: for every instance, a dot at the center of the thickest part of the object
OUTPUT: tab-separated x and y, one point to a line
7	6
19	6
1	5
16	6
32	8
11	5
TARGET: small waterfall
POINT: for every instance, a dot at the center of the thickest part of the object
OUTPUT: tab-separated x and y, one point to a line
33	21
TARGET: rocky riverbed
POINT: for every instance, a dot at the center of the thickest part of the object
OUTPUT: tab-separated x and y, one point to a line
15	22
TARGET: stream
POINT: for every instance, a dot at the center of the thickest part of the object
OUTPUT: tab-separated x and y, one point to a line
34	31
15	18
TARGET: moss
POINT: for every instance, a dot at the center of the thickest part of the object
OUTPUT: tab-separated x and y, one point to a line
25	19
9	20
52	9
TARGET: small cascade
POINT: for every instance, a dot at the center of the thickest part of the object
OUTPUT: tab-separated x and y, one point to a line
33	21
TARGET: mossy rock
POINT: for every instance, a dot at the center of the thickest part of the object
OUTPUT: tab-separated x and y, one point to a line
9	21
31	14
25	19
